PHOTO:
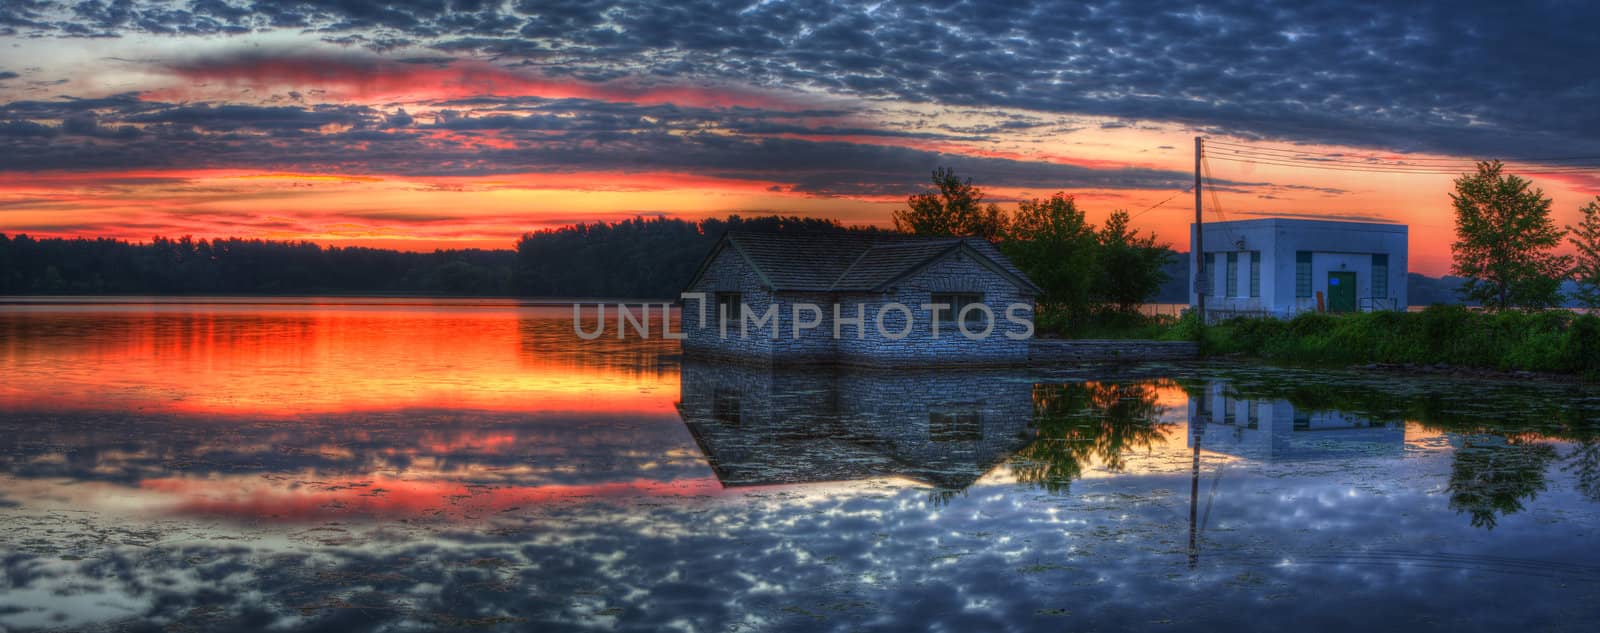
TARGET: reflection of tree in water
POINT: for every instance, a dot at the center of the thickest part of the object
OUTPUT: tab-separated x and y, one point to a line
1492	476
1584	463
1077	423
1505	454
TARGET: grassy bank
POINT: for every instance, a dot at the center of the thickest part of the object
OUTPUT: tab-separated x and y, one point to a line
1104	323
1555	341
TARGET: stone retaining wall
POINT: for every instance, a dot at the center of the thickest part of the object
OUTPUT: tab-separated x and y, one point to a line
1049	351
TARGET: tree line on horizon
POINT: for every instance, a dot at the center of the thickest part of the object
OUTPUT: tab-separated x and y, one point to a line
645	258
1503	255
648	258
187	266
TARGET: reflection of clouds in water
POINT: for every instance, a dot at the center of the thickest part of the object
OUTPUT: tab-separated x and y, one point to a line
601	521
862	555
462	447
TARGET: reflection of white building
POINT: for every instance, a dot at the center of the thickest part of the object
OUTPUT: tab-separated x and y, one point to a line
1281	267
1274	429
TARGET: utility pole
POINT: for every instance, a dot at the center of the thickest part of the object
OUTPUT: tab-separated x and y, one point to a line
1200	287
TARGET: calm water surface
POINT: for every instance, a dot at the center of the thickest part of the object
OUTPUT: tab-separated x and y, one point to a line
386	465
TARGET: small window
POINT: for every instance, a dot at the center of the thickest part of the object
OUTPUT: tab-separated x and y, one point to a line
1380	276
1302	421
1233	275
954	302
1302	274
1255	273
728	303
955	424
725	407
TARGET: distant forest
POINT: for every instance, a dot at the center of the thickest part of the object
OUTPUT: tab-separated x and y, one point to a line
636	258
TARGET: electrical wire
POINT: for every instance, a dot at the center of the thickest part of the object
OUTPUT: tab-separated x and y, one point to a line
1153	206
1341	162
1396	170
1295	153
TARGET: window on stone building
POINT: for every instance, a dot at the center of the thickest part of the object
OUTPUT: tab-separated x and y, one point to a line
955	423
953	302
728	304
725	407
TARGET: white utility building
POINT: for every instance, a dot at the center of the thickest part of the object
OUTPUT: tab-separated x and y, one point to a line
1282	267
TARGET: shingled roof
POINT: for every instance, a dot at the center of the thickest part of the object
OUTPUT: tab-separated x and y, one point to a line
816	261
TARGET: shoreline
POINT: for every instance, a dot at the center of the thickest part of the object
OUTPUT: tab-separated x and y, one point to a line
311	299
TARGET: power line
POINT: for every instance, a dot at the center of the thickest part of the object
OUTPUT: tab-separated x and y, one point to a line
1393	169
1229	151
1357	166
1216	202
1333	162
1153	206
1344	155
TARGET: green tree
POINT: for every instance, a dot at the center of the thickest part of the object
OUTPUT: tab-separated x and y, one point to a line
1132	266
1504	238
1055	245
1586	239
954	207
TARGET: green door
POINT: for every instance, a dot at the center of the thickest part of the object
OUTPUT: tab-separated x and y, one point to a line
1341	292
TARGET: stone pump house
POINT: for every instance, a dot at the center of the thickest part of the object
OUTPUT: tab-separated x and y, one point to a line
858	299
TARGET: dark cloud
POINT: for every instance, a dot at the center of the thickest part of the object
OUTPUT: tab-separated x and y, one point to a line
500	136
1469	78
1466	77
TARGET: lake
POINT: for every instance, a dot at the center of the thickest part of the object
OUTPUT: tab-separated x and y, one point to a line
390	465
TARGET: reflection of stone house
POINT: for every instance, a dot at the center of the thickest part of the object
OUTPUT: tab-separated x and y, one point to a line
1274	429
776	426
863	275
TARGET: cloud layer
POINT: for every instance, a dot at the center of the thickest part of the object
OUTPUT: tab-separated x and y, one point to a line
1470	77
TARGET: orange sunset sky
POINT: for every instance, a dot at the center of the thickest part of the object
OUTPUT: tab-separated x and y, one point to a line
464	124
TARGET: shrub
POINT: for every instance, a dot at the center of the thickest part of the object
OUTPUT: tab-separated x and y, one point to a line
1551	341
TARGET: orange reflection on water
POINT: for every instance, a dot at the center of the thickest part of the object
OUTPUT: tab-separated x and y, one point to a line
258	499
292	358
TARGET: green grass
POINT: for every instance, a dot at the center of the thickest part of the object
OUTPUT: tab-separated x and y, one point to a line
1556	341
1102	323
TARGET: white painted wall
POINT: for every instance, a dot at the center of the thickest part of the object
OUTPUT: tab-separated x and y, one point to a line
1335	246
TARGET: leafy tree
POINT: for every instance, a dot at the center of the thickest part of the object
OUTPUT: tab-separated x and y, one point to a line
1055	245
1504	237
1133	266
1586	239
954	207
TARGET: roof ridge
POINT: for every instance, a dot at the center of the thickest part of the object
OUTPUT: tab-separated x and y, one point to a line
917	242
852	266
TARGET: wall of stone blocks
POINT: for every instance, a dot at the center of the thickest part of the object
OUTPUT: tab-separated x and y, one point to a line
955	273
1061	351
